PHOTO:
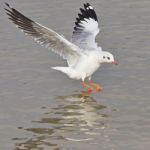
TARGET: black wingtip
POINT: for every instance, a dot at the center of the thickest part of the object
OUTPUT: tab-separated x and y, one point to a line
7	4
7	9
88	4
85	13
85	6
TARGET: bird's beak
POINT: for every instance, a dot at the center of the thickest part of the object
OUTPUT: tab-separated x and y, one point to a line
115	62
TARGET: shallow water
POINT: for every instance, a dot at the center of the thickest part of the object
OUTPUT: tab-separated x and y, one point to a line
42	109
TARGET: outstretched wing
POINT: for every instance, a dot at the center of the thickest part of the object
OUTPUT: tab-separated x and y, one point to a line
46	37
86	28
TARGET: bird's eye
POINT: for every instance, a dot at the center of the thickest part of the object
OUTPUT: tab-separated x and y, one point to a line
108	58
104	57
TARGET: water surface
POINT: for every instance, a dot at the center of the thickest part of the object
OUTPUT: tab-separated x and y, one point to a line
42	109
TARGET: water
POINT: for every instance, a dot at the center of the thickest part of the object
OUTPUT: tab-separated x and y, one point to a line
41	109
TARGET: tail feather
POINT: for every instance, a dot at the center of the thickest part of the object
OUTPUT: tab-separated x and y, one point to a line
62	69
67	70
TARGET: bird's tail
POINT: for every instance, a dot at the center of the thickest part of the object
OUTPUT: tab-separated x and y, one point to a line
65	70
69	71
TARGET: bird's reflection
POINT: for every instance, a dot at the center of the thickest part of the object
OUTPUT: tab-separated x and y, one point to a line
81	111
76	118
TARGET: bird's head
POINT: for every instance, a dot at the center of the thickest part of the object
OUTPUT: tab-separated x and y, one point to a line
107	57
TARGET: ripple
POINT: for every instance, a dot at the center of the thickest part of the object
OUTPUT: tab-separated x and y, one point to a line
71	120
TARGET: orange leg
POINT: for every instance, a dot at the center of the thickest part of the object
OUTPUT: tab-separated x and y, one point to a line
95	85
90	89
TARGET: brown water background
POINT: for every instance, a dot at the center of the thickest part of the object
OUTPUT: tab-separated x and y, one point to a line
40	109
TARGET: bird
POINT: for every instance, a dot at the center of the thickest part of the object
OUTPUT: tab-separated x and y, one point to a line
82	53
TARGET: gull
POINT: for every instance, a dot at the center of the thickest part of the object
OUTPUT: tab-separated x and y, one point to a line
82	53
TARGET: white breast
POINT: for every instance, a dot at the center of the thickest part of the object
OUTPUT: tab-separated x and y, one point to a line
87	65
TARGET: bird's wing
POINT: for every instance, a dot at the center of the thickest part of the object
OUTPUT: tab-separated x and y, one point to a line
43	35
86	28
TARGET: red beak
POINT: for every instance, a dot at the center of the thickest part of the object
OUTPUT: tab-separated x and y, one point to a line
115	62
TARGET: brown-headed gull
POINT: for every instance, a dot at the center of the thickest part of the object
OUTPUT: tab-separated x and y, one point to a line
82	53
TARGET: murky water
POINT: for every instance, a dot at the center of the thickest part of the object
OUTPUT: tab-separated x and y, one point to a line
41	109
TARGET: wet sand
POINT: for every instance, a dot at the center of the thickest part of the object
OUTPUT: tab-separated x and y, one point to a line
41	109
